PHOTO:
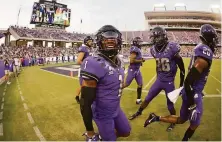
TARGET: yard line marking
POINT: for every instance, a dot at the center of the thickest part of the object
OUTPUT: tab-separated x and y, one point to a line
218	91
1	115
215	78
20	92
39	134
61	74
162	93
2	106
204	92
22	98
3	93
3	99
150	82
25	106
30	118
5	90
1	129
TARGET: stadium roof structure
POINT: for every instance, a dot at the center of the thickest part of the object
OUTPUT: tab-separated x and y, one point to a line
160	5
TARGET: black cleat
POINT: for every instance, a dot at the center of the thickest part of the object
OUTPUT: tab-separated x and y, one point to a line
170	128
152	118
135	115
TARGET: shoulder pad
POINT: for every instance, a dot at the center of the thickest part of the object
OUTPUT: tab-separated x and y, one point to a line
204	51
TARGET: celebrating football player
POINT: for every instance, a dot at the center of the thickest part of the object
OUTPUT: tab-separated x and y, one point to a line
136	61
199	69
101	91
167	59
83	53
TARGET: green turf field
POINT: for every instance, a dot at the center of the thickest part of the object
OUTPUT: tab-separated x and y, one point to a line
50	101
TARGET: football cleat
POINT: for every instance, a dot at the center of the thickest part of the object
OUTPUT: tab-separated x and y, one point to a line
94	138
135	115
170	128
152	118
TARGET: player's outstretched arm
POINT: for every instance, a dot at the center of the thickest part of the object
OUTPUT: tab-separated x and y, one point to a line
180	64
194	74
133	58
88	94
80	58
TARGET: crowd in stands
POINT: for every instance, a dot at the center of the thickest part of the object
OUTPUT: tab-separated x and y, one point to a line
181	37
29	52
47	33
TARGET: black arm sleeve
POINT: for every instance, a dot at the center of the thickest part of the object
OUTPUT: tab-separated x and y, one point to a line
180	64
192	76
88	95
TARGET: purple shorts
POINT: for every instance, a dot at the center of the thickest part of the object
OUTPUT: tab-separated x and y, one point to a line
157	87
134	73
108	127
185	113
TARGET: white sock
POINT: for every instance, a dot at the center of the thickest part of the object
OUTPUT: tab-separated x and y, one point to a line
138	100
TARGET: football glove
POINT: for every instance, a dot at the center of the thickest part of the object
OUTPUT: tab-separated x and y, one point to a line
194	111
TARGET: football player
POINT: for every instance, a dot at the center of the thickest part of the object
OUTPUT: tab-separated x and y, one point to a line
136	61
83	52
199	69
7	67
102	84
167	59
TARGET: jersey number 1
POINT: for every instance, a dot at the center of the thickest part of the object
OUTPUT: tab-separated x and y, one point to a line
121	85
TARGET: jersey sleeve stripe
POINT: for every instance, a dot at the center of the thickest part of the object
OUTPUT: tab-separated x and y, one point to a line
88	75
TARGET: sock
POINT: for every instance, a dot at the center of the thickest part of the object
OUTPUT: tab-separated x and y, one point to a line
140	110
188	134
139	92
172	111
158	118
138	100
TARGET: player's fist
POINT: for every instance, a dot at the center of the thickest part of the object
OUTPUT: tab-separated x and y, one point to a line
77	99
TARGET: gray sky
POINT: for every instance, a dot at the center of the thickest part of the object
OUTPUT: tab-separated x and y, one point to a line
124	14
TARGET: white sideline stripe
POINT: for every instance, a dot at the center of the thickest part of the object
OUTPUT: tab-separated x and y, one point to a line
147	85
61	74
3	93
38	133
30	118
36	129
1	115
67	69
2	106
22	98
162	93
25	106
215	78
218	91
3	99
5	90
1	129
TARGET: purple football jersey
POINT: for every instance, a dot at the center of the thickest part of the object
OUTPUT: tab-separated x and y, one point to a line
85	50
136	50
109	79
166	66
204	51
